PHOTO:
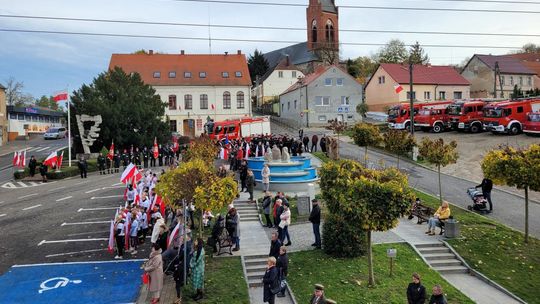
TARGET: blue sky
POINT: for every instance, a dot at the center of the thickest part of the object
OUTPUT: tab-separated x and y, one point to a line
47	63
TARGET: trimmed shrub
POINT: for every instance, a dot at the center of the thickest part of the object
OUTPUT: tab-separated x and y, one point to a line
342	238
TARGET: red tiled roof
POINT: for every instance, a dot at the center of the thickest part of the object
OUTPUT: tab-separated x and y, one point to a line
309	78
214	65
529	60
507	64
425	74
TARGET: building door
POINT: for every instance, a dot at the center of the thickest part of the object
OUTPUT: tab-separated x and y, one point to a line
340	117
189	127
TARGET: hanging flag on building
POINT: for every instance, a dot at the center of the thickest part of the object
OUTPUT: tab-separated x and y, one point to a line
398	88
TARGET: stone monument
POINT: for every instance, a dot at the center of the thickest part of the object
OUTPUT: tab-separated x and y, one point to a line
276	153
268	155
88	136
285	157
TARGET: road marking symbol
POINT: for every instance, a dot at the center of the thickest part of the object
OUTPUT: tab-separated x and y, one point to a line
28	208
99	208
72	241
85	223
60	282
64	198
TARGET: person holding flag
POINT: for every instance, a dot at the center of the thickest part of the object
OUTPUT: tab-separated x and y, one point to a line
110	157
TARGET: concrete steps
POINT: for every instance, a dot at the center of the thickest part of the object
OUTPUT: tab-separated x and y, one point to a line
255	268
441	259
248	211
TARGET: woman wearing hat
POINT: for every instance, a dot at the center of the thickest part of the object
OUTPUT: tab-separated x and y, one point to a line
318	295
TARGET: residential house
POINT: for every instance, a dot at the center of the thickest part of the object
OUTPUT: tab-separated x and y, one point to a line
276	81
532	62
196	87
328	93
480	71
3	116
430	83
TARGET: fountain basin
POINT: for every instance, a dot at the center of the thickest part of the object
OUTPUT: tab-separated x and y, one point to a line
292	176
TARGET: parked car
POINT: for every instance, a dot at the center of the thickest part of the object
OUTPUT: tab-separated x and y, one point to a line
55	133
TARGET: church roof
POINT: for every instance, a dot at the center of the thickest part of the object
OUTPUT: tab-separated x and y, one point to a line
298	54
329	6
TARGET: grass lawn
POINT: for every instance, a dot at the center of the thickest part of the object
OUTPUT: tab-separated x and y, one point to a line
321	156
224	282
345	280
497	251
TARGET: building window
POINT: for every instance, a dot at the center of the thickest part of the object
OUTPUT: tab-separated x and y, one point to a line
21	117
295	104
240	100
339	82
314	32
187	74
172	125
204	101
529	81
280	74
288	105
294	74
502	80
322	101
350	117
329	31
520	80
157	74
409	95
427	95
382	79
511	80
226	100
322	117
225	74
188	102
202	74
328	81
172	74
442	95
237	74
345	100
12	116
172	102
282	107
458	95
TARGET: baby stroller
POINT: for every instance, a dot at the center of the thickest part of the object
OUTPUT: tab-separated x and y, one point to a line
479	202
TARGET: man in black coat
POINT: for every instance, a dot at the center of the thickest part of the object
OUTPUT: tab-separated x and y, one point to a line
269	279
318	295
305	141
83	167
145	157
323	144
32	164
275	245
314	142
283	268
487	186
101	164
116	160
315	219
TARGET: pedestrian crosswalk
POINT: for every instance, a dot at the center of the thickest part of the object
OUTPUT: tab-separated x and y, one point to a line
21	184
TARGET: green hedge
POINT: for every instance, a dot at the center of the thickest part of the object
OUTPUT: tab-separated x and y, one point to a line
65	170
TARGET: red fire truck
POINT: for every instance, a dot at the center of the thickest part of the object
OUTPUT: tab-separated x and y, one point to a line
399	115
507	116
238	128
532	125
432	117
466	115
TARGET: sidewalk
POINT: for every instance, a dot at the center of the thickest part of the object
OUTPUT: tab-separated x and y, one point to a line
476	289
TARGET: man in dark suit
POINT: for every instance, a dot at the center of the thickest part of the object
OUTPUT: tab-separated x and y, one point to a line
275	245
314	142
315	219
318	295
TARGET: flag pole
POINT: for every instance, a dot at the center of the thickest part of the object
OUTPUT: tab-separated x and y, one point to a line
69	129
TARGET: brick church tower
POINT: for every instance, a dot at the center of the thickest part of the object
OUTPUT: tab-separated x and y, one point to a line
322	25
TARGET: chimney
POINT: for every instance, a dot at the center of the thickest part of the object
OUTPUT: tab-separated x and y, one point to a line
287	62
150	52
226	53
182	52
239	52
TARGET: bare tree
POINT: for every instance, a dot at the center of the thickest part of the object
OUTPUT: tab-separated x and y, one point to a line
328	53
14	94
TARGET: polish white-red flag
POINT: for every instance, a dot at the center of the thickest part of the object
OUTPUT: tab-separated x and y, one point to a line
110	247
224	154
246	155
175	144
16	159
51	160
60	96
22	159
173	235
130	173
398	88
156	148
137	198
60	159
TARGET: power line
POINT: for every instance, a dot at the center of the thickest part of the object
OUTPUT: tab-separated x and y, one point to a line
486	1
368	7
263	27
243	40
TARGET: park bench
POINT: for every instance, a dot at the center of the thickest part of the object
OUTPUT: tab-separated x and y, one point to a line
423	213
224	242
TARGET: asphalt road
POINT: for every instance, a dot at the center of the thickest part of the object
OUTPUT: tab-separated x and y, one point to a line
63	221
508	208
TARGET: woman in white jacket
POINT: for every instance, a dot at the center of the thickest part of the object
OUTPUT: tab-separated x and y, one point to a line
284	225
266	177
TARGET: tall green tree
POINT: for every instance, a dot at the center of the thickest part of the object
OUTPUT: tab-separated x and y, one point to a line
393	52
352	68
132	112
439	154
364	67
372	200
47	102
417	55
365	135
398	142
257	64
515	168
517	92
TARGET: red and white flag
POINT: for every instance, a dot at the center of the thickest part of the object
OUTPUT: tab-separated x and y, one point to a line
60	159
110	247
110	155
175	144
60	96
130	173
213	107
173	234
398	88
51	160
137	198
224	154
22	159
246	155
16	159
156	148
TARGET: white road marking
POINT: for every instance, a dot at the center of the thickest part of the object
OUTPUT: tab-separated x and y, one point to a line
1	215
79	183
72	241
110	196
64	198
85	223
92	191
117	184
28	208
9	186
56	189
42	149
113	187
22	184
99	208
83	233
75	252
29	195
1	202
33	184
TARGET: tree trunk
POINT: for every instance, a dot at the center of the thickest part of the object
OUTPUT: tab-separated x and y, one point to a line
371	280
365	156
440	186
526	215
201	225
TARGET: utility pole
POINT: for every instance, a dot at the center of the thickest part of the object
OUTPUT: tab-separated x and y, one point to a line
411	97
496	73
